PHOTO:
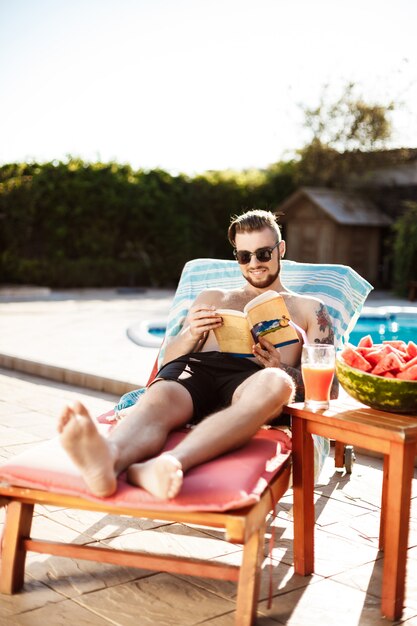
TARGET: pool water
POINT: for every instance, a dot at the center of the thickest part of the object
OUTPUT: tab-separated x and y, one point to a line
385	327
157	331
380	327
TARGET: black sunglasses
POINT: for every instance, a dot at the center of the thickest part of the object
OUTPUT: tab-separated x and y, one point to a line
263	255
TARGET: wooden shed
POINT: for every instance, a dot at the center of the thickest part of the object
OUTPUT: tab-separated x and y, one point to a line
330	226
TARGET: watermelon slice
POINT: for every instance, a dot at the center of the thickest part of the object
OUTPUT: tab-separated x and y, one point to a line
389	363
365	350
352	358
410	363
396	343
411	349
378	352
366	342
408	374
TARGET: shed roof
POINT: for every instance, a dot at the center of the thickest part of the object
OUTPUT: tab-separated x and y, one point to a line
342	206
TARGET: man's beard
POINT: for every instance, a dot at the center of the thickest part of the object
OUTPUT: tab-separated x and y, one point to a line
266	282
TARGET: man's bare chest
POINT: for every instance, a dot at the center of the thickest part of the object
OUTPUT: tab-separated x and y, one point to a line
237	302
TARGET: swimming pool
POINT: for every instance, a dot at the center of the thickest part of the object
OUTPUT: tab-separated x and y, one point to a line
384	327
148	333
381	327
157	331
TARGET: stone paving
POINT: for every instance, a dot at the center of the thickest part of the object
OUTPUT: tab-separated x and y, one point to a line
345	589
80	336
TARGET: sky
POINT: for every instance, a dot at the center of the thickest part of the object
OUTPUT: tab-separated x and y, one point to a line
194	85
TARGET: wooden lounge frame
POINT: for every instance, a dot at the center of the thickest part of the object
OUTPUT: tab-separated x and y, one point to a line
244	526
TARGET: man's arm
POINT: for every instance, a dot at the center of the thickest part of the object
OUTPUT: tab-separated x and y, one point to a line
201	318
319	329
295	373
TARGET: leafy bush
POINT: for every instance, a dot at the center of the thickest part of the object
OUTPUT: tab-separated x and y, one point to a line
405	249
103	224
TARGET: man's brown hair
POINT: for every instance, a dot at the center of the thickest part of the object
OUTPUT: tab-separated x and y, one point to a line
255	219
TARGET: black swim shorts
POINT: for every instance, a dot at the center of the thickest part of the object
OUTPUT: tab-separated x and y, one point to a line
210	377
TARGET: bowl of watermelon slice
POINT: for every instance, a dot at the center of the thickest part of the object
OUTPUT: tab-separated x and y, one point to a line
381	375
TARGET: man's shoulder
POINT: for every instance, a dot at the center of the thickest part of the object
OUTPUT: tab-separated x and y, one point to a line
305	310
301	299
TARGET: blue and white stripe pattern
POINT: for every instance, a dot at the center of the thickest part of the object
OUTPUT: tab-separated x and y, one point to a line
341	289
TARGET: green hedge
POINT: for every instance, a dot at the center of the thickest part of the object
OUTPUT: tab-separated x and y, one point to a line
79	224
405	249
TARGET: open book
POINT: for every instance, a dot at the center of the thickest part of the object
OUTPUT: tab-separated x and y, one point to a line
266	316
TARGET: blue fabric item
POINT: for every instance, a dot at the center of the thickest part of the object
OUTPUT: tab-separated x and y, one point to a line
129	399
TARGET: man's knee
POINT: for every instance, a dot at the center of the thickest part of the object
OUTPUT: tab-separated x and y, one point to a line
268	386
166	399
279	384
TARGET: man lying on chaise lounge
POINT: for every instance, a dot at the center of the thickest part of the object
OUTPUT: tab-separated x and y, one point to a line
227	398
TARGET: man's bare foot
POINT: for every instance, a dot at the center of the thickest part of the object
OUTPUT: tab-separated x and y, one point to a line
88	449
161	476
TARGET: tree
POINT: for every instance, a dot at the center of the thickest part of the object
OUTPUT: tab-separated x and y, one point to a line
343	134
349	123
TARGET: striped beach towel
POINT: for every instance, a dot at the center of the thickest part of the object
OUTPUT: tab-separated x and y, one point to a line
341	289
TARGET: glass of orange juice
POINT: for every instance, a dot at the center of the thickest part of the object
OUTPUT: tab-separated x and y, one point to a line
317	368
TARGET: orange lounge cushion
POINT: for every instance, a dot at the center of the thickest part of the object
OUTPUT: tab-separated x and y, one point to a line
231	481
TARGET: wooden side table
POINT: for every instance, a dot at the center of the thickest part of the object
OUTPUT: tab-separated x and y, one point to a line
393	435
